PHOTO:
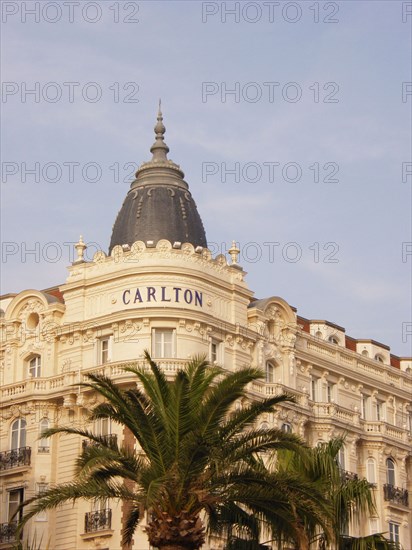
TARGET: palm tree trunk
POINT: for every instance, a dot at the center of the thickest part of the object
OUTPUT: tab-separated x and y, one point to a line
128	441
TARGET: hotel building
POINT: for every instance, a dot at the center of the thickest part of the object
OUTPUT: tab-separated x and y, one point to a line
159	288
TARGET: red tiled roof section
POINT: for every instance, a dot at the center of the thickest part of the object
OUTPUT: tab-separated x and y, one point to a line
350	343
305	324
55	291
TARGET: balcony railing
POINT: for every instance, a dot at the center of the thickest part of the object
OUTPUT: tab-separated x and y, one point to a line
15	458
395	494
348	476
98	521
8	531
111	438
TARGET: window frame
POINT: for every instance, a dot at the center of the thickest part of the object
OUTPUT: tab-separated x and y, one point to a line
371	471
270	372
314	388
394	532
161	331
21	431
215	357
330	392
34	366
43	442
365	405
104	355
17	502
287	428
390	468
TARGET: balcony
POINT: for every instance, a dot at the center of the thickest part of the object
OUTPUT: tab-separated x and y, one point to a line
395	494
15	458
8	532
110	439
348	476
98	521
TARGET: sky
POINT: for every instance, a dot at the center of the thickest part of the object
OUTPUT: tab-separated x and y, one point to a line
291	121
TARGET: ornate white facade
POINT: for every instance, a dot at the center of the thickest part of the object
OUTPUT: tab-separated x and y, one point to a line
176	300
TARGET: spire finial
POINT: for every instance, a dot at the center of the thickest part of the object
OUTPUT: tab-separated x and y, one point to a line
159	148
80	248
234	253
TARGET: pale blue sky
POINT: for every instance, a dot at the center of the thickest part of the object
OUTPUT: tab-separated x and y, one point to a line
170	53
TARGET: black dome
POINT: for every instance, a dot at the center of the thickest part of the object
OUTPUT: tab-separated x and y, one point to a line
159	204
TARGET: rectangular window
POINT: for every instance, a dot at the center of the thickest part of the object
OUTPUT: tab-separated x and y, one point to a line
394	532
330	392
314	389
16	497
365	406
379	411
102	426
163	343
35	367
215	352
104	350
270	373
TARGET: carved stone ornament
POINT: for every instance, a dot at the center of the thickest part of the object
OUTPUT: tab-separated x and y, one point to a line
99	257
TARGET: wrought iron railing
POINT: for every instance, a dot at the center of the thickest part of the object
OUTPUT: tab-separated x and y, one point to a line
395	494
15	458
98	521
8	531
348	476
111	438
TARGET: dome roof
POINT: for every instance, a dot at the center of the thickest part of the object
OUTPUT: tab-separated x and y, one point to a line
159	204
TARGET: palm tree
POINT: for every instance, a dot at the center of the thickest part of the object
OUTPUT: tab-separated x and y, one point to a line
198	457
350	497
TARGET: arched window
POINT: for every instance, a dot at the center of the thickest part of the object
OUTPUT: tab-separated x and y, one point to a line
365	353
371	471
333	340
379	358
390	472
264	426
18	434
35	366
44	442
318	334
286	427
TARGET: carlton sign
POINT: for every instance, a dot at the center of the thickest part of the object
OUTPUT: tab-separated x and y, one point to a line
161	295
